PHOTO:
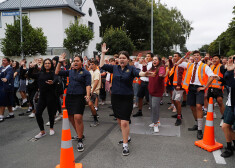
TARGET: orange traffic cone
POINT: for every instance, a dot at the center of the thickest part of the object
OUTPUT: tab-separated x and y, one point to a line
64	96
208	143
67	155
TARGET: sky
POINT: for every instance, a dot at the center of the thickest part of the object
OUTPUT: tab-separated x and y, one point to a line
209	18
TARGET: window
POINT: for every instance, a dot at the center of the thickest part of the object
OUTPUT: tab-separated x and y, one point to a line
90	12
75	18
91	26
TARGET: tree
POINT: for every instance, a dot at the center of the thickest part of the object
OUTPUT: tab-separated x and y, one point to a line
117	40
34	41
78	38
226	41
204	48
170	27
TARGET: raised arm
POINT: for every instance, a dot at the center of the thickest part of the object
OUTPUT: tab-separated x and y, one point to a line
183	58
103	50
61	60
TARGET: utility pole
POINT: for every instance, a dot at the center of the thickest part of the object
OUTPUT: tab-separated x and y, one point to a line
152	27
21	32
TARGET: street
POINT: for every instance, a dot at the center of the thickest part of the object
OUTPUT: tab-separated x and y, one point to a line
171	147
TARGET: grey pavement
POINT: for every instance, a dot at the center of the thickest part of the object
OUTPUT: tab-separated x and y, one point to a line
172	147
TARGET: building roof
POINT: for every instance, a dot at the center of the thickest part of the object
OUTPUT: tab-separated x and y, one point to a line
10	5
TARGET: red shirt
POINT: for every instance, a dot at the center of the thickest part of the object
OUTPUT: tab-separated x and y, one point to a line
156	84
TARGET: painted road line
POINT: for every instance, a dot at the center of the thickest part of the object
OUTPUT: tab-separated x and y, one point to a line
218	158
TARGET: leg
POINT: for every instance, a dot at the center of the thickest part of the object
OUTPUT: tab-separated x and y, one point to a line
71	119
193	108
39	111
155	109
125	130
221	105
78	119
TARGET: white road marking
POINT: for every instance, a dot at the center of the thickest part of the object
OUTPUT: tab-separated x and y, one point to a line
218	158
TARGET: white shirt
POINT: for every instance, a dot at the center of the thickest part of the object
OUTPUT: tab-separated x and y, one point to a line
140	66
208	71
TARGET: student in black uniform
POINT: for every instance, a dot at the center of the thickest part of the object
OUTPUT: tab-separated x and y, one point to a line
47	98
78	92
122	92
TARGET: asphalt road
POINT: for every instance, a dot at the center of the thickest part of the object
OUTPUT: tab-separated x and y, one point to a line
172	148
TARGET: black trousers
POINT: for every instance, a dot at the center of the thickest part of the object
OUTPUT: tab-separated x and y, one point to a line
49	101
102	90
59	104
31	93
16	100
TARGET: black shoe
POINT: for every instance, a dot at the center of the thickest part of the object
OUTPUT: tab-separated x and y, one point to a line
169	103
29	111
138	114
121	142
227	153
161	102
80	147
178	122
1	119
175	116
21	114
125	151
111	114
25	104
10	116
199	134
96	123
194	128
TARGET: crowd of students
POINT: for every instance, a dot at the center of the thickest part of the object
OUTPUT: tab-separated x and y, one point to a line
189	80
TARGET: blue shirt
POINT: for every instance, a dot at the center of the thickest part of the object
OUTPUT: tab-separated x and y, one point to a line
8	74
122	83
78	80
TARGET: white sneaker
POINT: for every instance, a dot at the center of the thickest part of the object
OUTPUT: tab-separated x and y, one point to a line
14	108
174	110
216	104
40	135
48	123
58	118
155	128
151	125
166	94
32	115
135	106
52	132
149	108
221	123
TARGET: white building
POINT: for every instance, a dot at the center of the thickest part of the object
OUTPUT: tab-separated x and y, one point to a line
53	16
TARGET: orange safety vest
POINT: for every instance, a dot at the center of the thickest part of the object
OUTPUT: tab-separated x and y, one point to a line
215	83
175	78
166	78
137	80
203	78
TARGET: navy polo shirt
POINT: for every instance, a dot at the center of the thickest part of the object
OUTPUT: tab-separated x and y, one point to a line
122	83
78	80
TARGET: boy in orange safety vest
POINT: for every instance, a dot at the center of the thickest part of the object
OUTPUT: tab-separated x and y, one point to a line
178	74
197	78
216	88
